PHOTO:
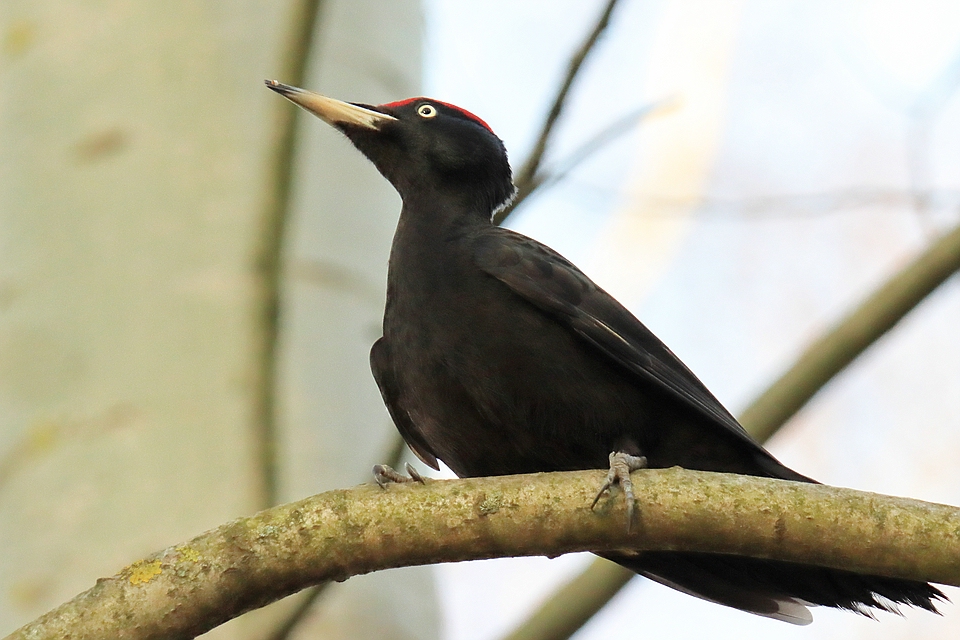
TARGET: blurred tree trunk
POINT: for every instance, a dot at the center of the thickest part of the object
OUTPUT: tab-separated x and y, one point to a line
332	423
134	141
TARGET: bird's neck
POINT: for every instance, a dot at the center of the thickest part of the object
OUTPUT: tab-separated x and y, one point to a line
427	254
458	198
438	216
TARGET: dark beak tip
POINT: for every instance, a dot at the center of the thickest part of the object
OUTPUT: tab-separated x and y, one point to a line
279	87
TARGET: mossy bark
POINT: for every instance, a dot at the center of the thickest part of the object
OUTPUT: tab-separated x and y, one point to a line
189	588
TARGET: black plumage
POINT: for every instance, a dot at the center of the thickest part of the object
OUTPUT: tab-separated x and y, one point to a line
499	356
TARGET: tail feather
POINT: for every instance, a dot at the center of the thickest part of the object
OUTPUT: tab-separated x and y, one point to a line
780	590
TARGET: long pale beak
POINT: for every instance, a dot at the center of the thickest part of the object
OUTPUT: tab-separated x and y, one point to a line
331	111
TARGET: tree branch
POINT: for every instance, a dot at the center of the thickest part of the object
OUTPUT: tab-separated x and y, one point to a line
604	137
188	589
527	179
574	603
851	336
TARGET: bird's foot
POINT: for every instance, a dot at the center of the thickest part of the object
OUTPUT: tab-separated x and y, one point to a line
621	464
385	474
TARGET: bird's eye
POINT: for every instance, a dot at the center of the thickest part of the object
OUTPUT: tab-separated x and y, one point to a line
426	111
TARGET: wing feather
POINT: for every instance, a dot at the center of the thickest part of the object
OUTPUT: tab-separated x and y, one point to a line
555	286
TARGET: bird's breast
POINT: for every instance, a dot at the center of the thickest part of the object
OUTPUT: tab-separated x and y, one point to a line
494	385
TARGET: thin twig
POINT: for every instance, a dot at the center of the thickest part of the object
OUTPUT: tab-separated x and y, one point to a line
792	205
525	176
597	143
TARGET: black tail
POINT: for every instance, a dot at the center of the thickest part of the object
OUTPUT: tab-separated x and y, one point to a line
780	590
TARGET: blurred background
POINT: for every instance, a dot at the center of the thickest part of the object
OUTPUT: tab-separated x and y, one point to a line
191	276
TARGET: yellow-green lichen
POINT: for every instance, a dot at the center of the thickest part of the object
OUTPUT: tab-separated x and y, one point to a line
142	571
488	505
189	554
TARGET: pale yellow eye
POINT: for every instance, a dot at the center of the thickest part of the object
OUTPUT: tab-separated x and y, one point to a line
426	111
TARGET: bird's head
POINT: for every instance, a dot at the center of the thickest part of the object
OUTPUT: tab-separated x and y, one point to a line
420	145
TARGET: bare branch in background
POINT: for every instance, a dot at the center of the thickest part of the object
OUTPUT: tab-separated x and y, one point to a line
525	177
308	598
598	142
794	206
580	599
190	588
575	603
850	337
617	129
273	219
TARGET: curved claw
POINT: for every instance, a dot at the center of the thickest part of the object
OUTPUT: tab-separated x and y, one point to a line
414	474
621	465
385	474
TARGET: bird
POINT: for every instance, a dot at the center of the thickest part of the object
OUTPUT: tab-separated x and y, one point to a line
499	356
